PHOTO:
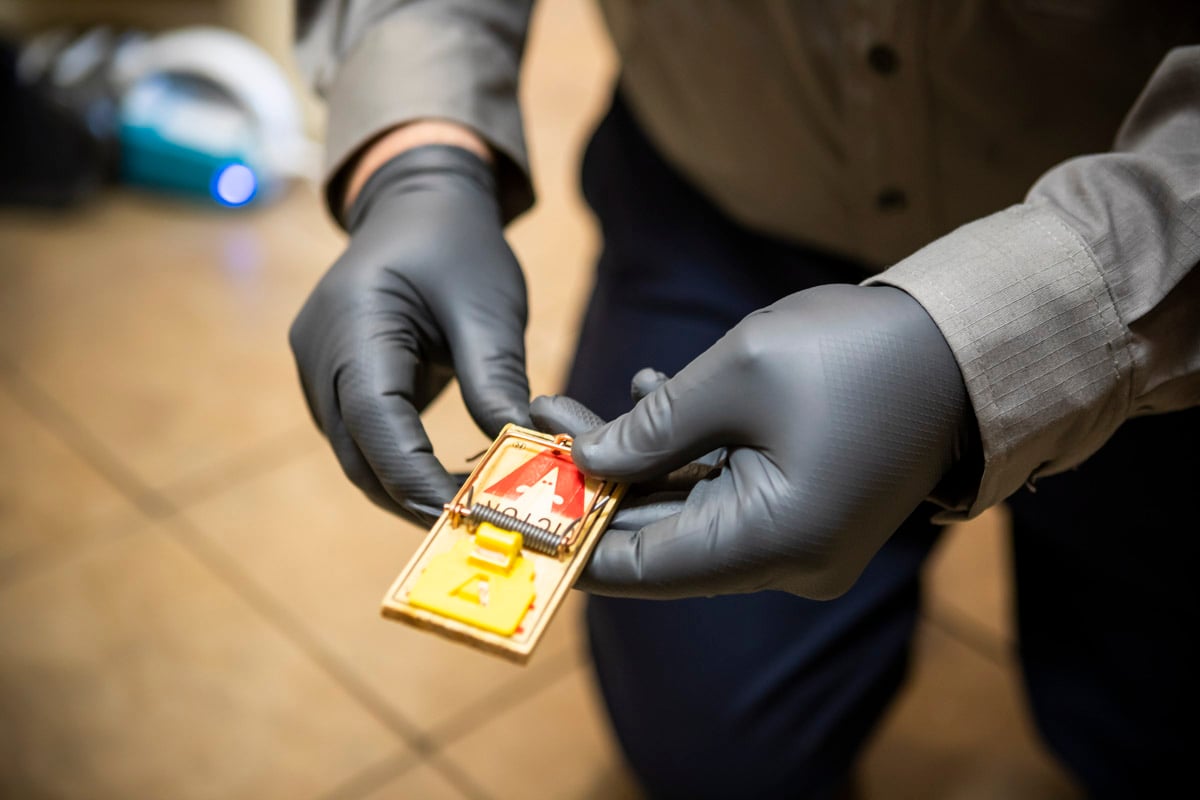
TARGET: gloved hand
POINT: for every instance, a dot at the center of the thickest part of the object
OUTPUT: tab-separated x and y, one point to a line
644	502
842	407
426	289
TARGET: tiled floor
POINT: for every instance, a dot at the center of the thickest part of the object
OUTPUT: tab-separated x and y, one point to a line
189	588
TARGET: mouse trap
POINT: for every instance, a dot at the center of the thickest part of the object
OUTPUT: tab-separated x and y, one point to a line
501	558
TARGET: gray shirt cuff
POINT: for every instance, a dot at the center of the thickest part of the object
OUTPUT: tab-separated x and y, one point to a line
1042	349
468	75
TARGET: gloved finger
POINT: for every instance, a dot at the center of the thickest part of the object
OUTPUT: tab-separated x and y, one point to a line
325	413
377	408
429	513
712	460
429	382
561	414
313	401
699	551
424	513
681	479
644	503
645	381
680	420
490	364
356	468
638	512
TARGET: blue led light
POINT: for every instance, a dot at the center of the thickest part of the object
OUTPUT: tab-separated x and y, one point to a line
234	185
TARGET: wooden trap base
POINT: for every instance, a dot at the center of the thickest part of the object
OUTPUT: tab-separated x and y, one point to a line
500	560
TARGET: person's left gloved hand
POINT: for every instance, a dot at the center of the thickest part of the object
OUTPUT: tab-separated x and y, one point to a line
427	290
842	407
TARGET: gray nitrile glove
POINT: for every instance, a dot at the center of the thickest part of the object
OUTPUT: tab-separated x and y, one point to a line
842	407
644	502
427	289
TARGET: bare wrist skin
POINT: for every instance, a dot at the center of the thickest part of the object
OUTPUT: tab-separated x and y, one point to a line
406	137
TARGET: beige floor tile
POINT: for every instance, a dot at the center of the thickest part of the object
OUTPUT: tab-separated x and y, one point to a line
162	327
960	730
315	544
554	745
566	83
969	578
49	496
130	671
422	783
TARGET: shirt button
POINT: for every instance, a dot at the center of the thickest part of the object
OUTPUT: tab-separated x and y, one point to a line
883	59
891	199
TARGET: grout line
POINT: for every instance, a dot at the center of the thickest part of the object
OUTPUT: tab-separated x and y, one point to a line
277	614
373	777
83	443
76	437
512	693
172	498
457	777
376	776
971	634
38	560
534	680
263	459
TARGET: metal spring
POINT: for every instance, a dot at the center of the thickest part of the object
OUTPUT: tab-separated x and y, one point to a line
537	539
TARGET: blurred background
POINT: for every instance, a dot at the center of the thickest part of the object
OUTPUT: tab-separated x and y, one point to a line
189	587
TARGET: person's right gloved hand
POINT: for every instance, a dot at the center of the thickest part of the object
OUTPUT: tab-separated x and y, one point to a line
841	409
427	289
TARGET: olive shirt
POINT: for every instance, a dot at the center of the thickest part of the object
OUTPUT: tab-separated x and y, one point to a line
1052	145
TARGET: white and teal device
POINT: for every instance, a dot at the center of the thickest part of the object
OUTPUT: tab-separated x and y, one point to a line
205	112
176	136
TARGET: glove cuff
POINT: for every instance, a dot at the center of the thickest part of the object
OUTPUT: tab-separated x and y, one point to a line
429	162
956	488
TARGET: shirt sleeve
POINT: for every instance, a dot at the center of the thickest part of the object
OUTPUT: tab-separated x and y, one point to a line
381	63
1080	307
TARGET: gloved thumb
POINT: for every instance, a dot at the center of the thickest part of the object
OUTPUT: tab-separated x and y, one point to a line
668	428
561	414
646	381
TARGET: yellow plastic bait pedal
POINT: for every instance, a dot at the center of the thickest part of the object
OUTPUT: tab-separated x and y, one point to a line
500	560
484	582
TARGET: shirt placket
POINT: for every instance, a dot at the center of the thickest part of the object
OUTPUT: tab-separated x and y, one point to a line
887	118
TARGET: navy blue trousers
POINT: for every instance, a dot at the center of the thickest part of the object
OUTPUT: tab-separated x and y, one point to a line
770	695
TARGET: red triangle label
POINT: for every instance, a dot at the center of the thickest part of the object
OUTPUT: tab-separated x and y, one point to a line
568	482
